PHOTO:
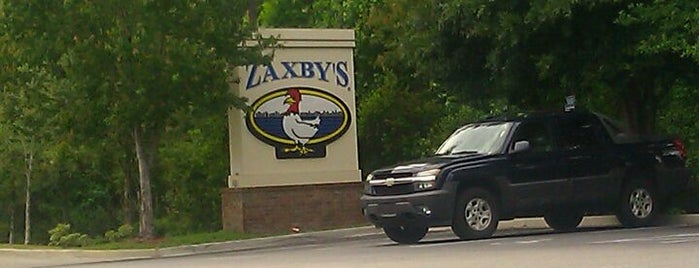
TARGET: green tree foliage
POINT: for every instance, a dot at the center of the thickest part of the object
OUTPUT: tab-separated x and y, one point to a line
130	66
287	13
668	27
28	117
97	89
471	53
540	51
396	121
189	198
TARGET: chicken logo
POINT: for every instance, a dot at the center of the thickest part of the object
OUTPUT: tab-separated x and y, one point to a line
299	122
298	129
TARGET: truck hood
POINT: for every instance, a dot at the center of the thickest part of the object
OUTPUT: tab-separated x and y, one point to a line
409	168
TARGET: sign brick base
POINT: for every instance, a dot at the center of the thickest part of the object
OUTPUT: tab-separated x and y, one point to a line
278	209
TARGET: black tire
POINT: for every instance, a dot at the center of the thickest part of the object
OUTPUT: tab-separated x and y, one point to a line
639	205
405	234
476	214
563	220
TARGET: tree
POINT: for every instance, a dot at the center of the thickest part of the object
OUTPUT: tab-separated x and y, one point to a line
27	112
8	180
670	27
136	63
537	52
287	13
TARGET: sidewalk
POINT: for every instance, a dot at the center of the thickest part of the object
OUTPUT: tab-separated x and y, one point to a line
311	238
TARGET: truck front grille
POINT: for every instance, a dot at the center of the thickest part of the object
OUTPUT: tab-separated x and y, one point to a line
393	190
380	176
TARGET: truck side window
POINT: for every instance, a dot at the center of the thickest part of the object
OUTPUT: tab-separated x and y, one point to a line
580	133
536	132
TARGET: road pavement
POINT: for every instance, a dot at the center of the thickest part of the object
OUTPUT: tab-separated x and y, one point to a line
523	241
673	246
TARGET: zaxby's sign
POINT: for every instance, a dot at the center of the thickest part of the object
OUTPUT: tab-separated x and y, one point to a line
301	125
299	121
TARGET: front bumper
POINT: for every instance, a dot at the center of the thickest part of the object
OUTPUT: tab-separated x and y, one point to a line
430	208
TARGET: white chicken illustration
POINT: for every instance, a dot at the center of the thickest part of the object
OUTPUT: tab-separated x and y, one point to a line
295	127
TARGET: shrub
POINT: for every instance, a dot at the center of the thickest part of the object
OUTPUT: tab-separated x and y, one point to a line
61	236
73	240
124	231
57	232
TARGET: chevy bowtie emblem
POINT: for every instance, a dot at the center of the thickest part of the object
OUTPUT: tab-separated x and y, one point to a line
390	182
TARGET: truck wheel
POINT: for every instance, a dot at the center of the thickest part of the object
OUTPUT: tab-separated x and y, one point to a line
563	221
476	215
638	205
405	234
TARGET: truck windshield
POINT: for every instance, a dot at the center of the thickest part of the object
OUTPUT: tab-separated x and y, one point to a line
481	138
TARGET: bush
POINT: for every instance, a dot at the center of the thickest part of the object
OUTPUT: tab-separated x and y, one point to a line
73	240
57	232
61	236
123	232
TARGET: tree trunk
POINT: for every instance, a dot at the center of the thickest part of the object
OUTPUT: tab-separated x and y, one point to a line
12	208
27	204
127	168
11	237
640	107
253	10
145	153
127	198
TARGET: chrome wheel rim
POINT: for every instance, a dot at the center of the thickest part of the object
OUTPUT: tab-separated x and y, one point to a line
641	203
478	214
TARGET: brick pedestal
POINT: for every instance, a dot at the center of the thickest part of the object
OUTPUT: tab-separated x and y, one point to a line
276	209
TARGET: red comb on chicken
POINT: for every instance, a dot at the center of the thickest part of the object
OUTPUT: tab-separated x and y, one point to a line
293	101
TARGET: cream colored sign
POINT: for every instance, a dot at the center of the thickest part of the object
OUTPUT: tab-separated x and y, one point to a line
302	125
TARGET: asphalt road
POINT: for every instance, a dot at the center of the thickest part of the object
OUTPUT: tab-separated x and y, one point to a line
670	246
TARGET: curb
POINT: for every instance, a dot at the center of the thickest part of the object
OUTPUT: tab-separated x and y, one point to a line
595	221
311	238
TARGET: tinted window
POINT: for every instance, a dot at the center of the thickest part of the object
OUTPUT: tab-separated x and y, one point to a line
538	135
581	133
617	131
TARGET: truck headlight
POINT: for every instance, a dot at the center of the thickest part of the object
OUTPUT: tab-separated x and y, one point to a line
427	173
425	180
367	184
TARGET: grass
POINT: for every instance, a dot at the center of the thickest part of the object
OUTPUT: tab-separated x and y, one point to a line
164	242
22	246
172	241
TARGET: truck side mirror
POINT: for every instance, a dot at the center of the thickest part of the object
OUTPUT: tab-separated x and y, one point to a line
521	146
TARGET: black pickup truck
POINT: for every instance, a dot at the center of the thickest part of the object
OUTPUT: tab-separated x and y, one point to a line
560	166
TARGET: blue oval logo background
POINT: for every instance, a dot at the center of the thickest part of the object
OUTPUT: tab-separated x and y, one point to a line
268	112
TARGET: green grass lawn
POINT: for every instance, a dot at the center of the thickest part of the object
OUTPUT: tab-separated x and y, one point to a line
172	241
22	246
163	242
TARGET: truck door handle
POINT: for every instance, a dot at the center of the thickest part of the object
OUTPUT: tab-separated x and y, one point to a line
524	166
578	157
